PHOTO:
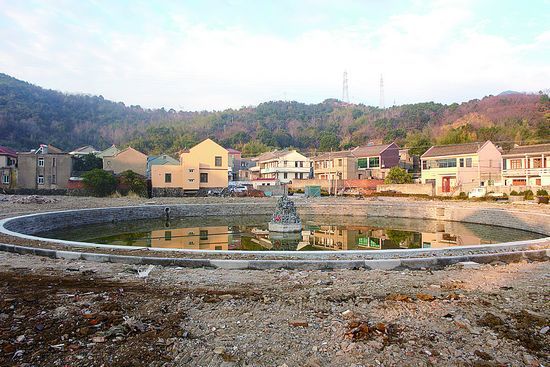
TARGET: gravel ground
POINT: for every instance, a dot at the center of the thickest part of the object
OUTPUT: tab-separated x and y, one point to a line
72	313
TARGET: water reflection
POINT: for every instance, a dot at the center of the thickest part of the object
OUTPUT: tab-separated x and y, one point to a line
250	233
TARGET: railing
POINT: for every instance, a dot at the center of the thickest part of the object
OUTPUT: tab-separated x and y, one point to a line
284	169
526	172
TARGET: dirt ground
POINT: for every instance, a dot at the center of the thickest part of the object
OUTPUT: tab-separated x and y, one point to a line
74	313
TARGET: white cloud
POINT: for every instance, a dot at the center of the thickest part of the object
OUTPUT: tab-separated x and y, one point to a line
442	54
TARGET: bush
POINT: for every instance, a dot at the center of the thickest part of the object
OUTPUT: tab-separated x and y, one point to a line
542	192
462	195
99	182
398	175
133	182
514	193
528	195
87	163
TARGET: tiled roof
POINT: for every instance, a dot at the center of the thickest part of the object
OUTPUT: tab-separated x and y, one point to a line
453	149
7	151
233	151
370	150
332	155
528	149
271	155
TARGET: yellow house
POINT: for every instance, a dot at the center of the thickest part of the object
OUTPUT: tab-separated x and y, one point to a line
194	238
126	159
202	167
461	167
340	165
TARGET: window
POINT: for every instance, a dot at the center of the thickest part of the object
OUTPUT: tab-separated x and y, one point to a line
203	234
40	180
362	162
167	177
468	162
537	162
340	162
374	162
5	179
301	163
40	161
168	235
515	163
285	163
218	162
461	162
204	177
191	180
53	162
425	165
295	163
54	179
191	170
285	175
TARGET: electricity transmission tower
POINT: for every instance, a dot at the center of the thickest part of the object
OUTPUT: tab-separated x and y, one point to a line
345	91
381	92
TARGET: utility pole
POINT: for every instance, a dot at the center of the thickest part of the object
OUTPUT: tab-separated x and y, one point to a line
345	90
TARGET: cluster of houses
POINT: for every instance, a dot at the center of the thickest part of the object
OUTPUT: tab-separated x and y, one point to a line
449	169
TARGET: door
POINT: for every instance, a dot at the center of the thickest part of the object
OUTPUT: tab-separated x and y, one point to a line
446	184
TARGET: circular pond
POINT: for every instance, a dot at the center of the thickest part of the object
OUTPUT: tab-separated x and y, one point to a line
320	233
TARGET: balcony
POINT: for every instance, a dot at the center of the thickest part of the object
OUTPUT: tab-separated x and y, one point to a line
526	172
284	169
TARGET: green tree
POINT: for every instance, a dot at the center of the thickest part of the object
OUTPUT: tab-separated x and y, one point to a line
253	148
87	163
134	182
398	175
418	143
328	141
99	182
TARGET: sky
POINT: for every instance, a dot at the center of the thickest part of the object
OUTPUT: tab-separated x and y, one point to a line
213	55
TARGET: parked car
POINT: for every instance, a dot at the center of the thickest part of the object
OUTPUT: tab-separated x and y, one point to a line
477	192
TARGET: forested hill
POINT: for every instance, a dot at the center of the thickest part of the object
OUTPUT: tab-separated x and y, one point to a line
30	115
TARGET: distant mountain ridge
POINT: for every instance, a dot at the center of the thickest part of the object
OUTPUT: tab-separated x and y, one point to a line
30	115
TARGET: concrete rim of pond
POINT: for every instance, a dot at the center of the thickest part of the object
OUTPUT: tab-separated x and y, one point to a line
24	226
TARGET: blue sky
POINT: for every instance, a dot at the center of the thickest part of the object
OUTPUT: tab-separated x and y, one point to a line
197	55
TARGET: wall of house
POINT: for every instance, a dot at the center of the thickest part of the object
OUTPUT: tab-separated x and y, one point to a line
28	171
204	156
390	157
410	189
129	159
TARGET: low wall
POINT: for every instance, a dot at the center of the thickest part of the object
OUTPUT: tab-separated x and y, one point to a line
167	192
411	189
330	184
35	191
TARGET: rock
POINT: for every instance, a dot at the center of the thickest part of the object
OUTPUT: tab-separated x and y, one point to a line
544	330
20	339
468	265
298	323
483	355
226	297
219	350
490	320
398	297
98	339
347	314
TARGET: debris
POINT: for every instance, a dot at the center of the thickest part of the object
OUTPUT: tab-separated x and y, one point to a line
483	355
468	265
98	339
544	330
144	273
134	325
298	323
219	350
347	314
425	297
398	297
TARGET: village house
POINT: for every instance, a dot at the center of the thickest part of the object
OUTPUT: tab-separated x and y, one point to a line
340	165
45	168
461	167
204	166
127	159
8	168
161	159
83	151
109	152
527	165
375	161
284	165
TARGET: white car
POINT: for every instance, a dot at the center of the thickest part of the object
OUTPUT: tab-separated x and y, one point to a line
478	192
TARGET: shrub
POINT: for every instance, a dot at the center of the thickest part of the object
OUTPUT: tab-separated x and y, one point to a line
542	192
528	195
514	193
134	182
463	195
99	182
398	175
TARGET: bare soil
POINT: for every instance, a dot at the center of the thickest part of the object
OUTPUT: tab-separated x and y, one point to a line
75	313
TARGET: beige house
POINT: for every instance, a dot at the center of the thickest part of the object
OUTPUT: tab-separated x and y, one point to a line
8	168
461	167
109	152
127	159
527	165
194	238
201	167
335	165
284	165
45	168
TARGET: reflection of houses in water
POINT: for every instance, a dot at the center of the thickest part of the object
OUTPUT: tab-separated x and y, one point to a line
194	238
362	238
442	238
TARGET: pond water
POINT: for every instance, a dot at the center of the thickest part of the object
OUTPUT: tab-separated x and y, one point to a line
319	233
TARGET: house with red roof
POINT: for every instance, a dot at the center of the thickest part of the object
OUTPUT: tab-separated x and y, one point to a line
8	167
